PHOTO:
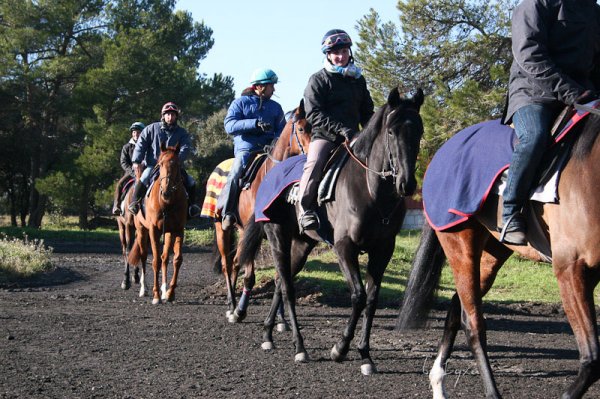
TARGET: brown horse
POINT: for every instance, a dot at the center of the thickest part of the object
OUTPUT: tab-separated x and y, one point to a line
126	225
475	256
165	215
294	140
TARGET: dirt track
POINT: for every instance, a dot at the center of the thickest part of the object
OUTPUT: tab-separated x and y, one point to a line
75	334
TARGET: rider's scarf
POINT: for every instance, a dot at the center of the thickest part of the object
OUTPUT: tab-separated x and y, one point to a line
349	70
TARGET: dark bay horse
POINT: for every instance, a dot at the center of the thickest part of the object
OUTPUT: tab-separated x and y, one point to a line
365	216
294	140
165	215
475	255
126	225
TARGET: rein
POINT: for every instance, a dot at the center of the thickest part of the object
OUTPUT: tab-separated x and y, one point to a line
293	135
383	173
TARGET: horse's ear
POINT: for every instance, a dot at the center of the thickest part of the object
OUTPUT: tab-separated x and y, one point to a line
394	97
301	111
419	97
163	146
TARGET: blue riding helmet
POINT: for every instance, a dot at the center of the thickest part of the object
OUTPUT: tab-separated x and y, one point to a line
263	77
335	39
137	126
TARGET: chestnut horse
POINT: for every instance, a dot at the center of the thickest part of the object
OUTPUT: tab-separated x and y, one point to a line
475	255
365	217
127	237
294	140
165	215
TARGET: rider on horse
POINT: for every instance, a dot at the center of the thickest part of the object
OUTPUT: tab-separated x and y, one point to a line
147	150
126	163
337	101
253	120
555	44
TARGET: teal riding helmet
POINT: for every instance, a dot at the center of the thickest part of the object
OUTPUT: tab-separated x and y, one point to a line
263	76
137	126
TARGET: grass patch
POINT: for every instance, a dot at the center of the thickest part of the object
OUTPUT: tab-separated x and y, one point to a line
22	258
519	280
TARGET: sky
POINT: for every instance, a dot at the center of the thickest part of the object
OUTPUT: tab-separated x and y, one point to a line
279	34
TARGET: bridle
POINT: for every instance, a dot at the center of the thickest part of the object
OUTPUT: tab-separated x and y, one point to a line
394	169
293	136
170	185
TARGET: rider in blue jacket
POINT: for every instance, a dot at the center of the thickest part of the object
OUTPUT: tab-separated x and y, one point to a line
147	151
254	121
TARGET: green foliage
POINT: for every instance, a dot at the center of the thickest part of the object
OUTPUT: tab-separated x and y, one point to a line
213	145
22	258
76	74
457	50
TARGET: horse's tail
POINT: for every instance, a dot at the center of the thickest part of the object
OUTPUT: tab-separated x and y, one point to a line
422	282
134	258
250	245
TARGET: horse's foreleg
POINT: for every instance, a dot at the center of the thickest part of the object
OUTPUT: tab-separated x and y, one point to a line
576	283
155	244
126	283
348	260
378	260
164	263
177	261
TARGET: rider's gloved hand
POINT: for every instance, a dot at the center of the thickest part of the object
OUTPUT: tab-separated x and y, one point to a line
348	134
264	126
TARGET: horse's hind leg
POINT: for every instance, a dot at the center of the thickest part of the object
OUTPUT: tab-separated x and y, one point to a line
223	239
249	280
289	254
126	283
577	282
465	253
269	323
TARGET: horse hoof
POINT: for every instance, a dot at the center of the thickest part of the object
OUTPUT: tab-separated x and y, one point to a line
267	346
301	357
142	293
231	318
155	301
228	314
239	315
281	327
335	354
368	369
125	285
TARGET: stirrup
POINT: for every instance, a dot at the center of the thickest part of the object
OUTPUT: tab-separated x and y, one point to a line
228	221
514	230
309	220
193	211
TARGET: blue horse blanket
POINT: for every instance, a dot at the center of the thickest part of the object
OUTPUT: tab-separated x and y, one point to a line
280	177
464	170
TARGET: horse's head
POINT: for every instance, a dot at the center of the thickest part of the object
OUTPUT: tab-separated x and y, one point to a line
296	135
170	171
403	128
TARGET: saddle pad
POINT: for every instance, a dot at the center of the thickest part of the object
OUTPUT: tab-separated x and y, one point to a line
274	184
464	170
214	185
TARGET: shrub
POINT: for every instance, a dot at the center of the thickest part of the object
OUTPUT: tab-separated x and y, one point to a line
22	258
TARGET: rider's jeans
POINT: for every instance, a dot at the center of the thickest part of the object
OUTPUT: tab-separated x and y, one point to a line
532	127
231	188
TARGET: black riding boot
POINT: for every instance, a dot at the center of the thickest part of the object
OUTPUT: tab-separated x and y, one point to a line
138	193
194	209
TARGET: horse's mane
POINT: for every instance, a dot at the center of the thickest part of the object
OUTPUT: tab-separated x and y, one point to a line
362	145
586	139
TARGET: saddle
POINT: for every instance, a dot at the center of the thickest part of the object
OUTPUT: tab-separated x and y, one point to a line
255	162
